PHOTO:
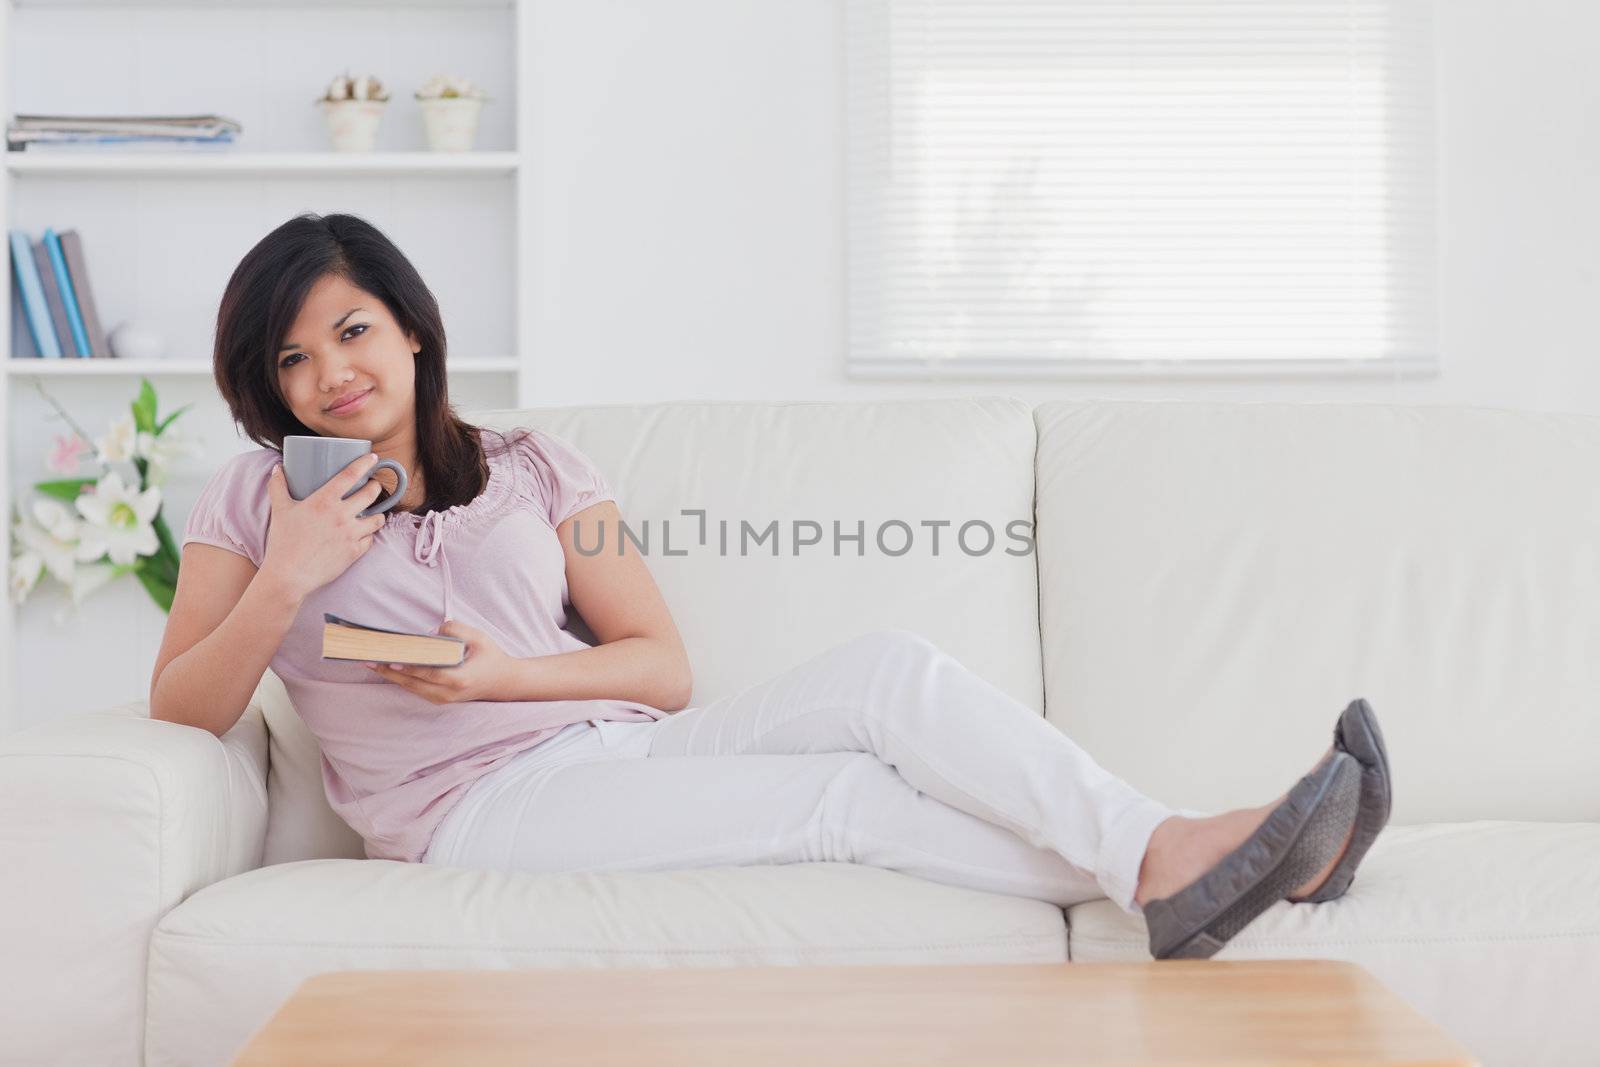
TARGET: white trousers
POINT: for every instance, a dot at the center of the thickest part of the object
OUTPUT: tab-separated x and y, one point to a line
883	750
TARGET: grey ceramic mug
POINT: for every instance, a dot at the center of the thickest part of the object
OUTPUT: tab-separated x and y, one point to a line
308	463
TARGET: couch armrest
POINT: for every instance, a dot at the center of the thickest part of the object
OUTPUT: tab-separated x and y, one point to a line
108	820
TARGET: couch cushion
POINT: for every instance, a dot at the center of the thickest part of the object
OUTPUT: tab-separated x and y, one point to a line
303	825
1491	929
746	618
226	958
1218	580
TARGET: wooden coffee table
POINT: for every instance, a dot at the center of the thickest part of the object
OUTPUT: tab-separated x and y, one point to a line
1188	1012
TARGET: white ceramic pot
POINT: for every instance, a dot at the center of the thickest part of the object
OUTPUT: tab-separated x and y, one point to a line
353	124
451	122
135	340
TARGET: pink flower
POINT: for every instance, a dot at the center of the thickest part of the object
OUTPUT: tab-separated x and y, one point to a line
64	460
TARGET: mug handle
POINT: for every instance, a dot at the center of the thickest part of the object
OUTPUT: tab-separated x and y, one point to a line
389	501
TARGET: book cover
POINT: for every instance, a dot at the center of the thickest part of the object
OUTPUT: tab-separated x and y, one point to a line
80	339
78	268
36	313
346	640
22	346
52	294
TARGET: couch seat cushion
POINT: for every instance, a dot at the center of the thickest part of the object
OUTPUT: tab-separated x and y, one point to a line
226	958
1491	929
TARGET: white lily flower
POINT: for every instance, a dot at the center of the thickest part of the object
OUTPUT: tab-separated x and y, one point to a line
163	450
120	519
25	571
50	533
89	578
54	516
118	444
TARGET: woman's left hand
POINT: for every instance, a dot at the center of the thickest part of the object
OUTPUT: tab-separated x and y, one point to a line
484	674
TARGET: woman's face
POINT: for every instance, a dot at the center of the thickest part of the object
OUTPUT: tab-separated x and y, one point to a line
343	343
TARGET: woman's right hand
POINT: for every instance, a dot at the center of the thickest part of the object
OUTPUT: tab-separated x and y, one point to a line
311	542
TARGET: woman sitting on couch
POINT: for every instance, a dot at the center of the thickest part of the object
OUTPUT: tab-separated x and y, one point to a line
541	752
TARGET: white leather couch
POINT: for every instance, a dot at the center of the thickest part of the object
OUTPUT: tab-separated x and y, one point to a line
1212	583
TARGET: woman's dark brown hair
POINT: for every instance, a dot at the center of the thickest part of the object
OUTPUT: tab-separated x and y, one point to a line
263	299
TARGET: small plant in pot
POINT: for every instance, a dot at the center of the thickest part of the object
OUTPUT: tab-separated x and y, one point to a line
353	108
450	109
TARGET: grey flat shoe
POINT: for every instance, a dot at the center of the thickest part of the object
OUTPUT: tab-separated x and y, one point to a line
1357	733
1299	837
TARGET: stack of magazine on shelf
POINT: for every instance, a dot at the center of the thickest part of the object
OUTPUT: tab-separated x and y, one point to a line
123	131
52	298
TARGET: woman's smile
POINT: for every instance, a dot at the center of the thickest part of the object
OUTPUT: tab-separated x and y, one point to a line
353	404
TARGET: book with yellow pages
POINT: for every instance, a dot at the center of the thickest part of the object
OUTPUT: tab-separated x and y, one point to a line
343	639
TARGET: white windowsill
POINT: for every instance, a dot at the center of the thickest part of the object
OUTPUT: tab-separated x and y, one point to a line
1013	369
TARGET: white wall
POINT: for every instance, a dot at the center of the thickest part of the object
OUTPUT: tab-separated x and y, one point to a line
691	172
688	179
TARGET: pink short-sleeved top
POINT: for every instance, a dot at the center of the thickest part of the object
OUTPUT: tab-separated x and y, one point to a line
393	762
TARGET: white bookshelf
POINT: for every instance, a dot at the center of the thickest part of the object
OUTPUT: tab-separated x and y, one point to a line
244	164
136	368
162	230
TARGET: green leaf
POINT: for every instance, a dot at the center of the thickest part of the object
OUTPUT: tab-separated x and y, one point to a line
168	420
169	548
160	589
144	408
65	489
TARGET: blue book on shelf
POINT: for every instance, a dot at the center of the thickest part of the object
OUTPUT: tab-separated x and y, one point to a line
58	262
35	311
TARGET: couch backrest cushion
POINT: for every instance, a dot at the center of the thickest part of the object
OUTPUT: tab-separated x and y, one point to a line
1218	580
301	824
747	617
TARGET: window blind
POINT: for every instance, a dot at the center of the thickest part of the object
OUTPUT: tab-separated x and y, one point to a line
1083	186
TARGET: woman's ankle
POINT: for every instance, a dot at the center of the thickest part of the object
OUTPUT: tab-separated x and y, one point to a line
1156	870
1181	849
